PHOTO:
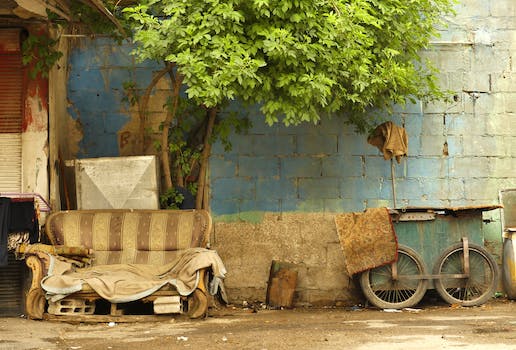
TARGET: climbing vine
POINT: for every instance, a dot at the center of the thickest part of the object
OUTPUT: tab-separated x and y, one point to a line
39	52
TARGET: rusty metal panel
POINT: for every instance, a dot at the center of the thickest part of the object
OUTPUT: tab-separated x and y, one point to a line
11	287
11	82
416	216
10	40
11	112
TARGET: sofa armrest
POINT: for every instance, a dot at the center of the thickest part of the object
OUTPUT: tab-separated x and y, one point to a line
198	300
35	297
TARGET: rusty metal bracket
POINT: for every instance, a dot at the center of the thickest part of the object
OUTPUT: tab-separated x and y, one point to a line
465	245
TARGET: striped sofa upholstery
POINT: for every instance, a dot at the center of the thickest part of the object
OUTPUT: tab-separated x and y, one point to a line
125	236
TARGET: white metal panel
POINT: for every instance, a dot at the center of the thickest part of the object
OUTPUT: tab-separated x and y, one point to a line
117	182
10	163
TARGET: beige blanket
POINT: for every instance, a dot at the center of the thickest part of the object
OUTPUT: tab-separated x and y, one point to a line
368	239
121	283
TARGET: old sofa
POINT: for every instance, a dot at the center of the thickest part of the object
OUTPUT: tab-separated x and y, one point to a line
120	236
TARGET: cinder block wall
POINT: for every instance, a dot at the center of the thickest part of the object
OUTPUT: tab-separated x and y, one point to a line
461	153
274	196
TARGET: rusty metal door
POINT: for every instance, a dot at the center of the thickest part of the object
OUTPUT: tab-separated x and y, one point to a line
11	110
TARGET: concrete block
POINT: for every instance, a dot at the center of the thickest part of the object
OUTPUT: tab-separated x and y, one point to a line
503	82
72	306
378	167
454	59
253	205
223	166
324	280
509	145
273	145
113	122
334	125
432	145
143	75
258	166
335	255
270	188
461	167
300	167
456	190
483	57
318	144
304	205
510	102
465	124
230	188
356	145
500	124
409	108
81	81
361	188
414	145
118	56
342	166
455	146
477	81
167	305
456	82
240	144
408	189
433	124
483	145
472	9
414	124
84	57
485	189
484	103
427	167
224	206
504	36
503	8
342	205
318	188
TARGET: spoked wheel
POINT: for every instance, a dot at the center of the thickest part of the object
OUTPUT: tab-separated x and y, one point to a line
396	285
472	290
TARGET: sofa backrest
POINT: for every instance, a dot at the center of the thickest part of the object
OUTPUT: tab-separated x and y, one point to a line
125	236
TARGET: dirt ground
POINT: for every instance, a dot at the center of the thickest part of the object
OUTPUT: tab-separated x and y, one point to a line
490	326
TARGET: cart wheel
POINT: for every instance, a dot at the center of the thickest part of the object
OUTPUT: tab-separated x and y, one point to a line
474	290
406	290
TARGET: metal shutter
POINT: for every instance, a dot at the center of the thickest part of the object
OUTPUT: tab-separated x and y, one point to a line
11	110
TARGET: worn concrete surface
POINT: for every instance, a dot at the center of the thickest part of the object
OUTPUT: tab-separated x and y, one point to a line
491	326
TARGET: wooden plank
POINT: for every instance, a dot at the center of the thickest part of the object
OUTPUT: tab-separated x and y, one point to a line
282	285
107	318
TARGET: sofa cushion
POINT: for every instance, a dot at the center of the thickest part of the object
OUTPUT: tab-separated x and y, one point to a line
130	236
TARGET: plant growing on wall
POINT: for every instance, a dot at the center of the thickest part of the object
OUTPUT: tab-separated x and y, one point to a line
299	60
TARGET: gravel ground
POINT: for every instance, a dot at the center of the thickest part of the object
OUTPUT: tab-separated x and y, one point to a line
490	326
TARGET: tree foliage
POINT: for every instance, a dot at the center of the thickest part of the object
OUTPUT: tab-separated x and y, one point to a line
299	60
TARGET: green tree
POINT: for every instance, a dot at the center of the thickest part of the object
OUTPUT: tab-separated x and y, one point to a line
299	60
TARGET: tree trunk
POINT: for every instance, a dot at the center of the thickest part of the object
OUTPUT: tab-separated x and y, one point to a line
206	151
171	114
142	110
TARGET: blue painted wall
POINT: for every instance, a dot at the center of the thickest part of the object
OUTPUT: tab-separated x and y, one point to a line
98	70
318	168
